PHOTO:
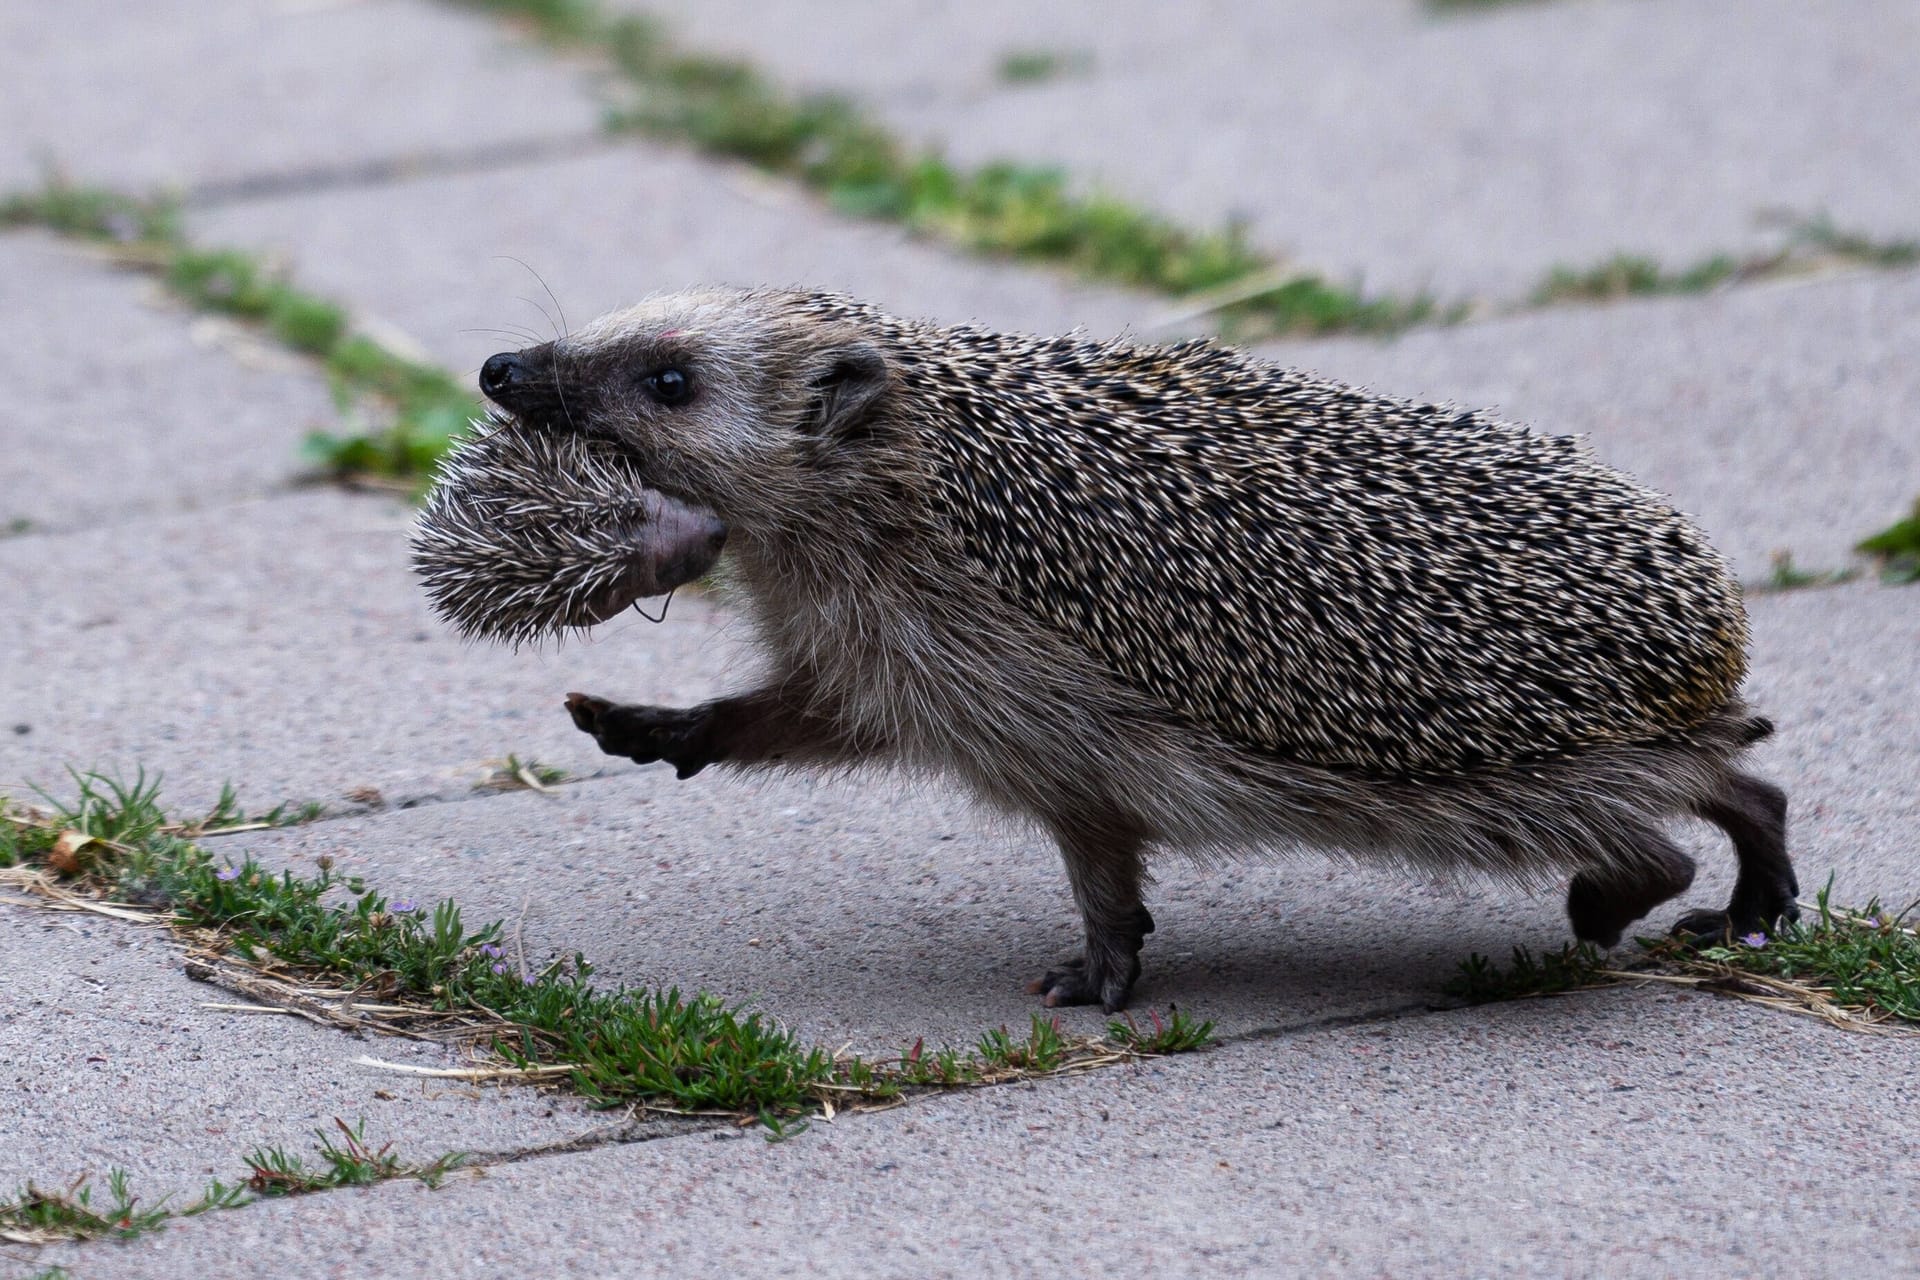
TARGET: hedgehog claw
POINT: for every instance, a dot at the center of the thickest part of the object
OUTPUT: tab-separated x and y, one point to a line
586	712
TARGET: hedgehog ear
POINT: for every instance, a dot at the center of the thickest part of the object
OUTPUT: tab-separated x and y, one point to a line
847	380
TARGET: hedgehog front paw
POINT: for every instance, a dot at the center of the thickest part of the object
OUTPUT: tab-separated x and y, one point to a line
682	738
1083	981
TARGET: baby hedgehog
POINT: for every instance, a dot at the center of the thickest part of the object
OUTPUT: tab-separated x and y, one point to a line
1171	597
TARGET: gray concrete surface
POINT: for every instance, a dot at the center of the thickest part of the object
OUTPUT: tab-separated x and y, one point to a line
283	646
127	406
1376	139
1630	1133
188	93
275	640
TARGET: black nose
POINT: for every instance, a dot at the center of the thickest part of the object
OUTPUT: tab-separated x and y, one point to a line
502	375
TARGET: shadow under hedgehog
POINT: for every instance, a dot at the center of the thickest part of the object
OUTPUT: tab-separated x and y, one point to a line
1173	597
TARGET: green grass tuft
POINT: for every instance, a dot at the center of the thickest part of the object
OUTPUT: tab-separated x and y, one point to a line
1851	964
93	214
1897	547
1784	575
1854	967
1571	968
1176	1034
1037	66
515	774
1809	243
349	1162
1043	1049
36	1216
1629	275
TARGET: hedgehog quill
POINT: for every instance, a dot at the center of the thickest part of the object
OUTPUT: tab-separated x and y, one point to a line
1148	598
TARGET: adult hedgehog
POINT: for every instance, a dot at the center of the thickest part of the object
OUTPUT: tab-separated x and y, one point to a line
1146	596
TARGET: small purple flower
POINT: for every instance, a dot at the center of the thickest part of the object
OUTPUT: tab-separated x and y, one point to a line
231	873
1755	940
488	949
406	906
1872	922
500	966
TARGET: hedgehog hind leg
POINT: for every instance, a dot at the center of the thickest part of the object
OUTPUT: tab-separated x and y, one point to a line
1646	870
1753	813
1103	857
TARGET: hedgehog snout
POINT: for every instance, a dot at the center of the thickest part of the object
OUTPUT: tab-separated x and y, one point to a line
523	383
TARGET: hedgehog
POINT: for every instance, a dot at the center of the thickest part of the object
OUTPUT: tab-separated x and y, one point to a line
1150	598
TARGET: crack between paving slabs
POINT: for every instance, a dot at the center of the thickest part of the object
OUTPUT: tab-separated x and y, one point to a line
391	170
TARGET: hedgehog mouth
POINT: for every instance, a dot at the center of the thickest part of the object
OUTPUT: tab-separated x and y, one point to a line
676	547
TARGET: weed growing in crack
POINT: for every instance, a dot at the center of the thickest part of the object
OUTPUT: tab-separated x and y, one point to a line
514	774
36	1216
1784	575
1854	966
1897	548
348	1162
1038	66
1042	1050
1177	1034
1573	967
1809	243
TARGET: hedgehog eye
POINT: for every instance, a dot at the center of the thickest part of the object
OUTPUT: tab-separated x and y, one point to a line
668	386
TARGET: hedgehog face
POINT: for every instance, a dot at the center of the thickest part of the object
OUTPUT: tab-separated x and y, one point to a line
726	400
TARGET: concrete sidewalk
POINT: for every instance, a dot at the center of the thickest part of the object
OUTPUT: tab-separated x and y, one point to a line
179	602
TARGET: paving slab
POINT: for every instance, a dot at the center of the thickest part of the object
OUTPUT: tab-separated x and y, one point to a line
283	645
463	262
1377	139
1782	417
125	405
183	93
1638	1132
110	1057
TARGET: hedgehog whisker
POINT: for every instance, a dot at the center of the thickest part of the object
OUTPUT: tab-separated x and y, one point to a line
564	328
